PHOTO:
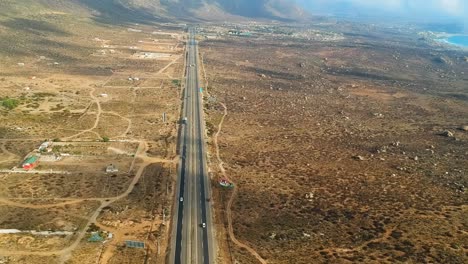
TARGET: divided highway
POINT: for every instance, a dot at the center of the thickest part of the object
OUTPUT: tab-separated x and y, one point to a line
192	236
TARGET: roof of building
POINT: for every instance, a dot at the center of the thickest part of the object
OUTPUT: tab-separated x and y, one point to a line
30	160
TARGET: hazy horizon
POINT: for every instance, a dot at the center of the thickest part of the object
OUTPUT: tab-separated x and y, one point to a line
422	11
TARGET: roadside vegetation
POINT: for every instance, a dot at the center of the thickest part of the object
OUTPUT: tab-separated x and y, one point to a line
9	103
176	83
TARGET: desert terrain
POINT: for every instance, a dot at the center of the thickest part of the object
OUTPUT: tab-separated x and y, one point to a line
97	105
335	142
346	144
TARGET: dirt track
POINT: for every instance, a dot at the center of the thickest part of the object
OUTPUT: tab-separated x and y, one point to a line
233	194
66	252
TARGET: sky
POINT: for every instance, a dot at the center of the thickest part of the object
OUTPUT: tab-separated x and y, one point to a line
428	11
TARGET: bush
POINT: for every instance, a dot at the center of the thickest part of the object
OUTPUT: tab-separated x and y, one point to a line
105	139
93	228
56	149
176	82
10	103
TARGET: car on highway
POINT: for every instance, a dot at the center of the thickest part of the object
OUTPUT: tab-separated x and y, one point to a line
181	199
184	120
204	225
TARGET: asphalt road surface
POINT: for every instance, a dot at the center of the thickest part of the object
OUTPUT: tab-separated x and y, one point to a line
192	237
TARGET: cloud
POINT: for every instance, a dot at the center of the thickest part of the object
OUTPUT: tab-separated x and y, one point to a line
392	4
455	7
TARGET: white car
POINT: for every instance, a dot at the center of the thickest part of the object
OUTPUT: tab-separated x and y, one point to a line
204	225
181	199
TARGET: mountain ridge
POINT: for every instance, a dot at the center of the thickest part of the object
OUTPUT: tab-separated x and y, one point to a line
159	10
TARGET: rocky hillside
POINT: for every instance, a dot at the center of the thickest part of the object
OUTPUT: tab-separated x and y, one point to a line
158	10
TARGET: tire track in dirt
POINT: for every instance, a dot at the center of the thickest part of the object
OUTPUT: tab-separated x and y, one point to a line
233	195
169	65
385	236
128	120
388	231
40	206
66	253
98	116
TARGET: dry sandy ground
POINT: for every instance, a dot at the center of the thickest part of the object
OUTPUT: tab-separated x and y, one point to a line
82	88
336	152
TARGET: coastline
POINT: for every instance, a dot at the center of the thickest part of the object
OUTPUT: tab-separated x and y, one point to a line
445	39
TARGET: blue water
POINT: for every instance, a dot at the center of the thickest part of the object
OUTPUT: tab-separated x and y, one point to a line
459	40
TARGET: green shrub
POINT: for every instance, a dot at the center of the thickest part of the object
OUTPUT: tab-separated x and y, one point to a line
10	103
56	149
176	82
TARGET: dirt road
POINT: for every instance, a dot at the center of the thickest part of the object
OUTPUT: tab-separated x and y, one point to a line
232	236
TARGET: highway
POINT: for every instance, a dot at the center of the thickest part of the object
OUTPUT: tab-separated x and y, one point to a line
192	230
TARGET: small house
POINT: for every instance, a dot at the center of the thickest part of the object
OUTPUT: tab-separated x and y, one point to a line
30	163
44	146
111	169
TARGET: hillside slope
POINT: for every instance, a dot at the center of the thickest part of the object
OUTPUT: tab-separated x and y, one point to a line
157	10
46	27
